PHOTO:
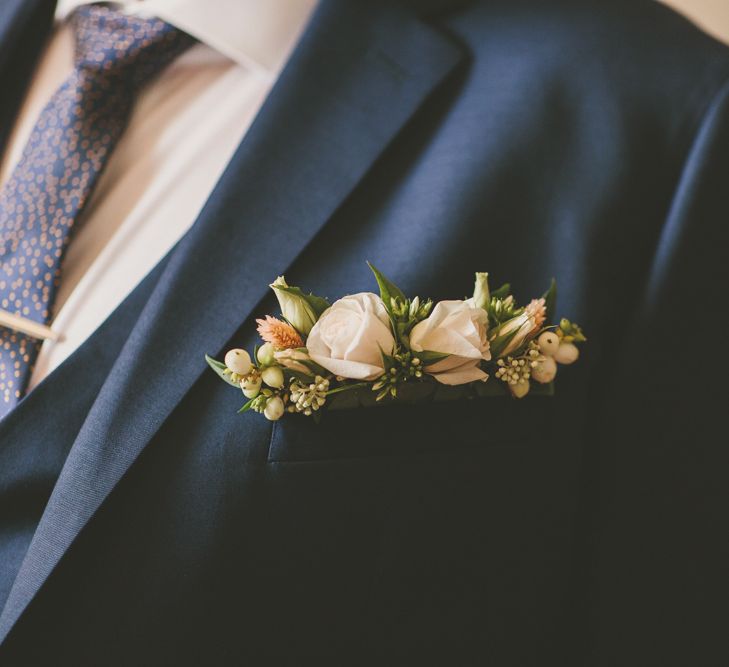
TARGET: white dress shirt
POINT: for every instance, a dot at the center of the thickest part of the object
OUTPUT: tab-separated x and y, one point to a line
184	129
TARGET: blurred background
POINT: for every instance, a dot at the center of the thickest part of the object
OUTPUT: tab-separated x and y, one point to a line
711	15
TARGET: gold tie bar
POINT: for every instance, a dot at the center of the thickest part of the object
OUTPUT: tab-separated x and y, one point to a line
26	326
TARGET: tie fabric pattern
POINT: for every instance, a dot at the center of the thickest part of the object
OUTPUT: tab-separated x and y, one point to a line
115	55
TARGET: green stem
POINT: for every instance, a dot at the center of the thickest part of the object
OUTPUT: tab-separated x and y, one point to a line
347	387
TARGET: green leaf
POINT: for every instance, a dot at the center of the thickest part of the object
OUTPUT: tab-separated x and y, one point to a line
298	375
315	368
387	359
550	300
247	406
502	292
220	368
428	357
348	387
500	343
388	290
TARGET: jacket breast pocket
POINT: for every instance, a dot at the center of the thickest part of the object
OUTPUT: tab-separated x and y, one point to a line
404	430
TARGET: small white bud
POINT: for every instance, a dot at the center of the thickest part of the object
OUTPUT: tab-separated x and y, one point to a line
265	354
273	376
567	353
545	370
548	343
239	361
274	409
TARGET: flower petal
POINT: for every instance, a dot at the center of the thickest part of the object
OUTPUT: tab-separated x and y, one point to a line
352	370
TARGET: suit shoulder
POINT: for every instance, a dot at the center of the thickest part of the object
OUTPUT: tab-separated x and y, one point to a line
638	47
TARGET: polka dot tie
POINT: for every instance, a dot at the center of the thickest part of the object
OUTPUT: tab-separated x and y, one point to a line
67	150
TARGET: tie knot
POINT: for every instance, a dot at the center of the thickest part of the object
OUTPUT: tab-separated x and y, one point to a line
110	43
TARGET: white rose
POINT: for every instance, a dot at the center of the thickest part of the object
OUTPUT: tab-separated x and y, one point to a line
348	337
458	329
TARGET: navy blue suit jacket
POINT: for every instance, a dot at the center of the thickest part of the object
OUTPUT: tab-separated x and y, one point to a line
142	521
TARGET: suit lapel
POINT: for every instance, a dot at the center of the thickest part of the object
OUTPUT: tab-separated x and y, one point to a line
358	74
24	28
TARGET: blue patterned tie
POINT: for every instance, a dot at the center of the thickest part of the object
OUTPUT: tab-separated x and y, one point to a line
67	150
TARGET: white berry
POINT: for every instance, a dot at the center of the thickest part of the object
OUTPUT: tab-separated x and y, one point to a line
239	361
548	343
545	370
273	376
567	353
251	388
274	409
520	389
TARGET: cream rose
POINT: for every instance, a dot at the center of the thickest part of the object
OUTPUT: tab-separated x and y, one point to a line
458	329
349	336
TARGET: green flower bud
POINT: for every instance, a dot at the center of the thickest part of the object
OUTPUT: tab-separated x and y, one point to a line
512	334
295	306
292	359
481	295
571	332
414	307
266	354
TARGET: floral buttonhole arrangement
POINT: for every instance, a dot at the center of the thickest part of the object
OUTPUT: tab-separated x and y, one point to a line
366	350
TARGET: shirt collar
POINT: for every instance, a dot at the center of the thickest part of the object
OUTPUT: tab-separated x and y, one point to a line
257	34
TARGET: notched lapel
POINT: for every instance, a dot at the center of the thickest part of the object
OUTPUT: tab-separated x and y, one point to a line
359	73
